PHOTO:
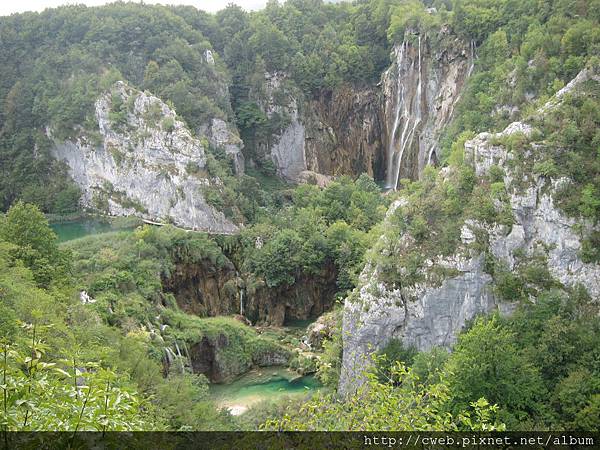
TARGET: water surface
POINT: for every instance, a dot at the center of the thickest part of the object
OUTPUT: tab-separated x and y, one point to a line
86	226
270	383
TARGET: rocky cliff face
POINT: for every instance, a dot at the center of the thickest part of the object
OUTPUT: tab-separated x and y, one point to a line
210	290
389	131
212	357
309	297
421	89
432	312
205	289
143	161
338	133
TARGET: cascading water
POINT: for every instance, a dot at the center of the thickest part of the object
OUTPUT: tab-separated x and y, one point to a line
410	106
472	57
391	146
241	302
422	89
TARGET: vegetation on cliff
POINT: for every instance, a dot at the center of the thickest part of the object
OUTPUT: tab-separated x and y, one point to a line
90	337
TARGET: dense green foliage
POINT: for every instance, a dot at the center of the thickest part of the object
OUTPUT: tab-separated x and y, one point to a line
106	345
539	366
428	222
69	363
57	63
316	229
400	403
575	126
526	52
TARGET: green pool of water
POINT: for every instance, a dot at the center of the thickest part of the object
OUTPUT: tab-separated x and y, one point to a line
75	229
298	323
67	231
262	384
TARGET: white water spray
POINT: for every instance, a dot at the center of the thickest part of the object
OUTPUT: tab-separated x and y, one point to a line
399	100
241	302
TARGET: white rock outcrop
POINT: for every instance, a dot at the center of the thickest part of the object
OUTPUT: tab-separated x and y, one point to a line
142	161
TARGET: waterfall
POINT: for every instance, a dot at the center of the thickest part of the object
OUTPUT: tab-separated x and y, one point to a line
472	57
169	355
241	302
399	101
410	105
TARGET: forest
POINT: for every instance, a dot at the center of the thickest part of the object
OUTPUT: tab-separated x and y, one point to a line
111	331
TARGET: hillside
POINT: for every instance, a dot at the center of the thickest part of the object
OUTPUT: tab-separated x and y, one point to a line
417	180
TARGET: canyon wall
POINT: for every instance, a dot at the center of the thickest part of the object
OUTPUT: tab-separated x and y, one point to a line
456	288
339	132
389	131
208	289
420	91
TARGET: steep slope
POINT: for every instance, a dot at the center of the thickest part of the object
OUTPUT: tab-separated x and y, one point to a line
389	131
142	161
471	240
337	133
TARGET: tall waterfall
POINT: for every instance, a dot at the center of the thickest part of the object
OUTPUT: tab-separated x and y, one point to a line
421	89
408	111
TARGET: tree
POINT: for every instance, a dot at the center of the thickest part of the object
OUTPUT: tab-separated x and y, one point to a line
487	363
400	403
35	242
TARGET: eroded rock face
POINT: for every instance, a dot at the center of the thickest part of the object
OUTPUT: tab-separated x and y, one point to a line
210	358
309	297
208	290
205	359
205	289
221	135
539	223
433	312
142	161
321	330
345	133
338	133
389	131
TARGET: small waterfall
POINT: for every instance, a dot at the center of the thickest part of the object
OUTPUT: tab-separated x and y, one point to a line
241	302
169	355
472	58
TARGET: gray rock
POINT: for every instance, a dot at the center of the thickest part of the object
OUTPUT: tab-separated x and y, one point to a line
149	166
421	89
221	135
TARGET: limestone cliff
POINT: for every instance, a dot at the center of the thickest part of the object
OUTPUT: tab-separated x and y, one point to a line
389	131
143	161
453	289
338	133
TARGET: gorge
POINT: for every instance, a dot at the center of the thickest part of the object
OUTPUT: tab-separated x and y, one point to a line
386	205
